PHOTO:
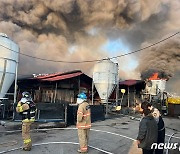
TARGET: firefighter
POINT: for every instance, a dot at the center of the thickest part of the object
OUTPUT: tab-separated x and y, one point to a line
83	122
27	109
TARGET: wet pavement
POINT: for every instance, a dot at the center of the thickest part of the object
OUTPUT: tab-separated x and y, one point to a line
112	136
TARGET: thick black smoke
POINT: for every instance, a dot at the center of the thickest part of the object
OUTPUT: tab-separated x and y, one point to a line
150	73
164	59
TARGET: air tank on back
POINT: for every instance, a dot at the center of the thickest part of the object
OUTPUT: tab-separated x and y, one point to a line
9	52
105	78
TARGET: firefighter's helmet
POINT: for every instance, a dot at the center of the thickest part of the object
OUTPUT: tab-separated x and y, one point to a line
26	94
82	96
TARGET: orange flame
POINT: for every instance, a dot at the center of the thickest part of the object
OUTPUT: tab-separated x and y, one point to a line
154	77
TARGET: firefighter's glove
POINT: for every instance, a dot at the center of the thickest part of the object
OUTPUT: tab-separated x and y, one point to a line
19	104
19	107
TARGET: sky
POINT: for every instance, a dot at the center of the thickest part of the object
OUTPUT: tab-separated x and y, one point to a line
118	47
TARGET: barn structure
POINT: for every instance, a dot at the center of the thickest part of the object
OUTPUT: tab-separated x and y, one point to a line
57	87
55	95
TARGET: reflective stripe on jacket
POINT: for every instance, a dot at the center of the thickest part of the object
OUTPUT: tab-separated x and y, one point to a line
83	116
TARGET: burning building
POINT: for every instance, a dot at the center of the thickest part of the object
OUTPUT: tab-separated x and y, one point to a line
155	85
154	91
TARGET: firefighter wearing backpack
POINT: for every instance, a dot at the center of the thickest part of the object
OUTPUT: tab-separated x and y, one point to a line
83	122
27	109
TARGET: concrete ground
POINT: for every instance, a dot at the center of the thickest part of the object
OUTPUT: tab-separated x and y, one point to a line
111	136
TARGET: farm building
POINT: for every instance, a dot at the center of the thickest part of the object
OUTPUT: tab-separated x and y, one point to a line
56	88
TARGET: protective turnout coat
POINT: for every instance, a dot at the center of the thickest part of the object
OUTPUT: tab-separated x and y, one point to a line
83	116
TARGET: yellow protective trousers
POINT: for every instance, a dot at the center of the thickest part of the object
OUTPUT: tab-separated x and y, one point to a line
26	135
83	135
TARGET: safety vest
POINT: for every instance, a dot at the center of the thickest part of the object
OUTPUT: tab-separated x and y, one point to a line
83	116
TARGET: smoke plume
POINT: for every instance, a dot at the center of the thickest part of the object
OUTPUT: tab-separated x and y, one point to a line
164	59
75	30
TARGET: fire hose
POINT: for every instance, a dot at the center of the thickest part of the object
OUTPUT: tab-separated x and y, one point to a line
167	151
171	136
98	149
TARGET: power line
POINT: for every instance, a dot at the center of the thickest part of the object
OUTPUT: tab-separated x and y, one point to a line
149	46
61	61
88	61
110	57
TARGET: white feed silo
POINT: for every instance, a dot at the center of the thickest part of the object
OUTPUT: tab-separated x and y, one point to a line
105	78
9	53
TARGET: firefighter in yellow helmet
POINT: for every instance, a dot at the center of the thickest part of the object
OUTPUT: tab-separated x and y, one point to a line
83	122
27	109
